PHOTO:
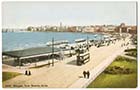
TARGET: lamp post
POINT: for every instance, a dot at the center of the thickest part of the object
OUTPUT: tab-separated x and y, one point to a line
19	62
87	44
52	51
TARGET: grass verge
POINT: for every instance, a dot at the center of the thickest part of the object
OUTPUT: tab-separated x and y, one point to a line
118	80
9	75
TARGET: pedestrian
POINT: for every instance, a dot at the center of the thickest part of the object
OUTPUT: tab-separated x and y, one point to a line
29	72
88	74
26	72
84	73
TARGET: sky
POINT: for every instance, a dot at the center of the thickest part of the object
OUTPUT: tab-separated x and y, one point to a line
24	14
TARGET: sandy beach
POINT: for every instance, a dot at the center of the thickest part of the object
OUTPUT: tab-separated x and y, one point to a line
66	73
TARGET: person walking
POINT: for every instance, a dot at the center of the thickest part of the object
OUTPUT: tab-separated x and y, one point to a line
26	72
88	74
29	72
84	73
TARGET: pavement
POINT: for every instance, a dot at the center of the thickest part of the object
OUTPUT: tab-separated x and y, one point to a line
84	82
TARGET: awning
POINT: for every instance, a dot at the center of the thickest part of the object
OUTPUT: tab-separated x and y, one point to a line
30	52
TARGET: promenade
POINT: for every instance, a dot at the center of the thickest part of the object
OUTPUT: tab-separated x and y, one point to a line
66	74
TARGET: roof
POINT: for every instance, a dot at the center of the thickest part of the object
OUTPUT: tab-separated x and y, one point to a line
30	52
80	40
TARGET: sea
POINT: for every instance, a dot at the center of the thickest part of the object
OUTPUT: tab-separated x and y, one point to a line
22	40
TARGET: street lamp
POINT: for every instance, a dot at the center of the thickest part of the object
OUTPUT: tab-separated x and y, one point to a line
87	43
52	51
